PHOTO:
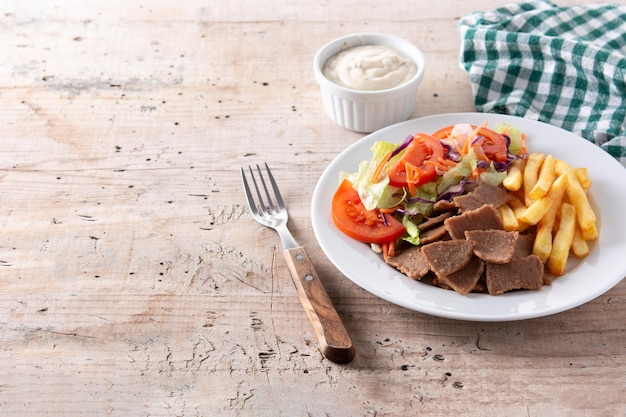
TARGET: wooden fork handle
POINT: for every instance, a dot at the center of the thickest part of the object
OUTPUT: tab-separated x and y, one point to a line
333	338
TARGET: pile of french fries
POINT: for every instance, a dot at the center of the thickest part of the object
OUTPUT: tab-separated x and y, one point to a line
551	195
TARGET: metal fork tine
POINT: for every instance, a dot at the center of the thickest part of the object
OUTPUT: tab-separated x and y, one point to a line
260	204
267	210
249	197
279	198
270	204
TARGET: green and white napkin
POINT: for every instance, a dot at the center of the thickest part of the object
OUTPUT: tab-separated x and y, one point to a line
561	65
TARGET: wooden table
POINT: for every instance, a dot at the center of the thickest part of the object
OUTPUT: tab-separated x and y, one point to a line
134	282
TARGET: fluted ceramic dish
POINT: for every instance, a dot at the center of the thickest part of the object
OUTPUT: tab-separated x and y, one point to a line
368	111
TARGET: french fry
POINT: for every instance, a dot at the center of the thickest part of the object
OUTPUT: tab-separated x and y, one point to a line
580	248
509	219
531	173
518	208
543	239
585	215
551	195
537	210
583	178
514	176
544	180
562	240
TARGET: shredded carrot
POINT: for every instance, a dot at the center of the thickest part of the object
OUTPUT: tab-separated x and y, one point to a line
466	146
411	185
413	174
385	249
389	210
448	162
477	171
442	164
472	137
390	248
480	153
438	165
476	130
523	151
380	166
457	147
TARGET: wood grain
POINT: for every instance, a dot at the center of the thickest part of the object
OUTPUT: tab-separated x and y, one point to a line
133	281
335	342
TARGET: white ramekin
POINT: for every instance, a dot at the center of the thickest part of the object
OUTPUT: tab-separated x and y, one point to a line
368	111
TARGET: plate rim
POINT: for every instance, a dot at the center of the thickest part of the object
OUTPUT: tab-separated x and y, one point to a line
317	219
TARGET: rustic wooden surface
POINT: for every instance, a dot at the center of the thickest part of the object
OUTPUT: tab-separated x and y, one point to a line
133	281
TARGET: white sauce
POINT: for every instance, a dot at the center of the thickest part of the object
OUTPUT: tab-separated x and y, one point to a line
369	68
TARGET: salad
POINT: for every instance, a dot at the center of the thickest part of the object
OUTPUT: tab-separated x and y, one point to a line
390	195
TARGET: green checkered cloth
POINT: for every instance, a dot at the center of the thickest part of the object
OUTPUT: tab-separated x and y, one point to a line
561	65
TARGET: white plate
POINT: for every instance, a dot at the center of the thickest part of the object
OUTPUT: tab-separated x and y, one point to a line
584	279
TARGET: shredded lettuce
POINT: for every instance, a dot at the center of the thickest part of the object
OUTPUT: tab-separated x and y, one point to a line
379	194
412	232
423	200
414	210
492	176
462	170
380	149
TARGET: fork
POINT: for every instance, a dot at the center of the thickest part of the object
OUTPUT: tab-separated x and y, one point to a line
333	338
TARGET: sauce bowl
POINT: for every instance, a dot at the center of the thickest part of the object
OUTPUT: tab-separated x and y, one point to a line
368	111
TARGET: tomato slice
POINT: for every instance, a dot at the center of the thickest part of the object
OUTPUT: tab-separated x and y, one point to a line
352	218
444	133
492	143
424	148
